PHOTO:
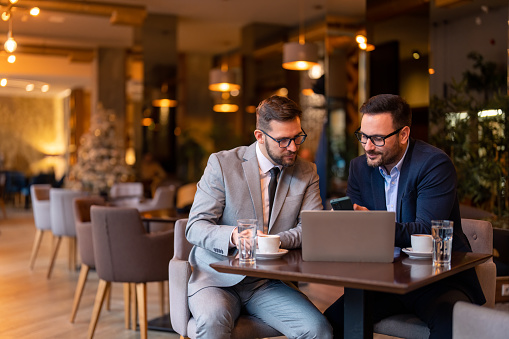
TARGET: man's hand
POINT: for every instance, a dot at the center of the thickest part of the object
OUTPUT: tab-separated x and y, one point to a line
359	208
235	237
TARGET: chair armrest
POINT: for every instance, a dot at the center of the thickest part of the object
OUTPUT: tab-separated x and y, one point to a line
487	275
179	273
471	322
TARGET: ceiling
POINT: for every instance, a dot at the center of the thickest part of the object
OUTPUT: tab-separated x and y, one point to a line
203	26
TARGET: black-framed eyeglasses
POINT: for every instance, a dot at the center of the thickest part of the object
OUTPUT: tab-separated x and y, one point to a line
377	140
285	142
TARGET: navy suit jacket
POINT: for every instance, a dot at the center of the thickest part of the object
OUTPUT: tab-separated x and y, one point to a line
426	191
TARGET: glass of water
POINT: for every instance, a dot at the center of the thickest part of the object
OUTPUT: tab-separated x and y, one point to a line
441	231
247	240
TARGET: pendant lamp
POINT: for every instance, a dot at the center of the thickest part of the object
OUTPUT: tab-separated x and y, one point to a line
300	56
222	80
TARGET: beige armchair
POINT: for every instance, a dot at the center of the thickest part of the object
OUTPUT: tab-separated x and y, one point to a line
480	236
181	319
39	194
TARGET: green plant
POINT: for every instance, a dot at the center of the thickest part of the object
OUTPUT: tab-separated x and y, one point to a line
470	124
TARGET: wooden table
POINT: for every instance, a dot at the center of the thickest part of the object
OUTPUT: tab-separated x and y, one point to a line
402	276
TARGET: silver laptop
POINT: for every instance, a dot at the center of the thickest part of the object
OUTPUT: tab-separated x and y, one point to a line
351	236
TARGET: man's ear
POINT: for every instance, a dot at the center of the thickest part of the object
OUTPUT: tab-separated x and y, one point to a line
405	134
259	136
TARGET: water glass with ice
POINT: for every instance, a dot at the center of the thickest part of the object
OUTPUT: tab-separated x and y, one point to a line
247	240
441	231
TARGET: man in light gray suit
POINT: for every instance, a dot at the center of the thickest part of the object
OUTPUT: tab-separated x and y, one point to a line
235	186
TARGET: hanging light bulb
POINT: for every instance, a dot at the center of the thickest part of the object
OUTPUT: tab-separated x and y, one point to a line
10	45
6	15
13	1
11	59
3	82
34	11
300	56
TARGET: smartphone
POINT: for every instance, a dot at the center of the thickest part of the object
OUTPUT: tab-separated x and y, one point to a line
343	203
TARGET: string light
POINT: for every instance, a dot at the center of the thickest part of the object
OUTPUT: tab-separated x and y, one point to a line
11	59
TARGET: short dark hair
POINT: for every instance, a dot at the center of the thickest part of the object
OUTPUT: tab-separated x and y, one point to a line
276	108
389	103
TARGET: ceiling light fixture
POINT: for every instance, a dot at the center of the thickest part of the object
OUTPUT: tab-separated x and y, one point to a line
300	56
10	45
222	80
11	59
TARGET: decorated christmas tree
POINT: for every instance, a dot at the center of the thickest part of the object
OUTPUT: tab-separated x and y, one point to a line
100	162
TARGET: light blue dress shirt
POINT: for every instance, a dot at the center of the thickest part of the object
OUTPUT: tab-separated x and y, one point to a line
391	181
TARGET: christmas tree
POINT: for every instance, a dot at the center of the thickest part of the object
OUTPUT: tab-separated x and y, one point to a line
100	162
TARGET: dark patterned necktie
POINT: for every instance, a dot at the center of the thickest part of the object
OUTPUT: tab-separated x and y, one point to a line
274	172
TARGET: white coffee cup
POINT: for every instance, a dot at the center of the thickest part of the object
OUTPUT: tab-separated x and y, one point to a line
268	243
422	243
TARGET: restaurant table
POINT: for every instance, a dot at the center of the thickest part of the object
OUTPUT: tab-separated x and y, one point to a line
401	276
168	215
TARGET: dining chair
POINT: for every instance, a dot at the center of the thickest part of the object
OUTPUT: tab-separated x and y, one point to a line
62	222
39	193
179	271
126	193
471	321
81	208
480	235
125	253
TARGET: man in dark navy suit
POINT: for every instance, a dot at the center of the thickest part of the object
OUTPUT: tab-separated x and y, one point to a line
418	182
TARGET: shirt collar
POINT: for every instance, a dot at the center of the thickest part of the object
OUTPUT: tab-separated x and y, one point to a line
263	162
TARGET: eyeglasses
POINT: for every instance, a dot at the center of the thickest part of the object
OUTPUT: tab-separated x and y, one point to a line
377	140
285	142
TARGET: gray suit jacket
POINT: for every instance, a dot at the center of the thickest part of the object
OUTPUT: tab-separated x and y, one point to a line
230	189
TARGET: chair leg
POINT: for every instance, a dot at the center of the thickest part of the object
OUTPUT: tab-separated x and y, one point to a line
54	256
127	305
79	290
35	249
107	297
99	299
161	297
141	293
72	253
134	308
2	203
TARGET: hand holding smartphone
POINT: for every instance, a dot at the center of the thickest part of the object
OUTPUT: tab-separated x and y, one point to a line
343	203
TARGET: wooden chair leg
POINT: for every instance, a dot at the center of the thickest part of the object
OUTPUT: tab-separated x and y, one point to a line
72	253
35	249
79	290
108	300
99	299
141	293
2	203
127	305
54	256
161	296
134	308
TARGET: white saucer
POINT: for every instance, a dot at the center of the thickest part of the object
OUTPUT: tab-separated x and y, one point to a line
266	256
416	255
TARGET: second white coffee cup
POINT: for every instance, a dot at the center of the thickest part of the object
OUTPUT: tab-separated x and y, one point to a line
268	243
422	243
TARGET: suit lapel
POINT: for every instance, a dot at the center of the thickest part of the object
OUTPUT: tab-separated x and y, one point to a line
378	190
252	175
403	177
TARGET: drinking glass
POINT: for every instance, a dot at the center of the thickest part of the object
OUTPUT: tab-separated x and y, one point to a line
247	240
441	231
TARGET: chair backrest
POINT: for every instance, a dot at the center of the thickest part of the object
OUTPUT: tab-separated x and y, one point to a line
480	235
81	207
62	211
164	197
123	251
185	195
126	190
472	322
39	194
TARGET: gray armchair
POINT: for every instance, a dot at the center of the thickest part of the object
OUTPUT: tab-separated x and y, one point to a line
480	236
125	253
39	194
474	322
181	319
